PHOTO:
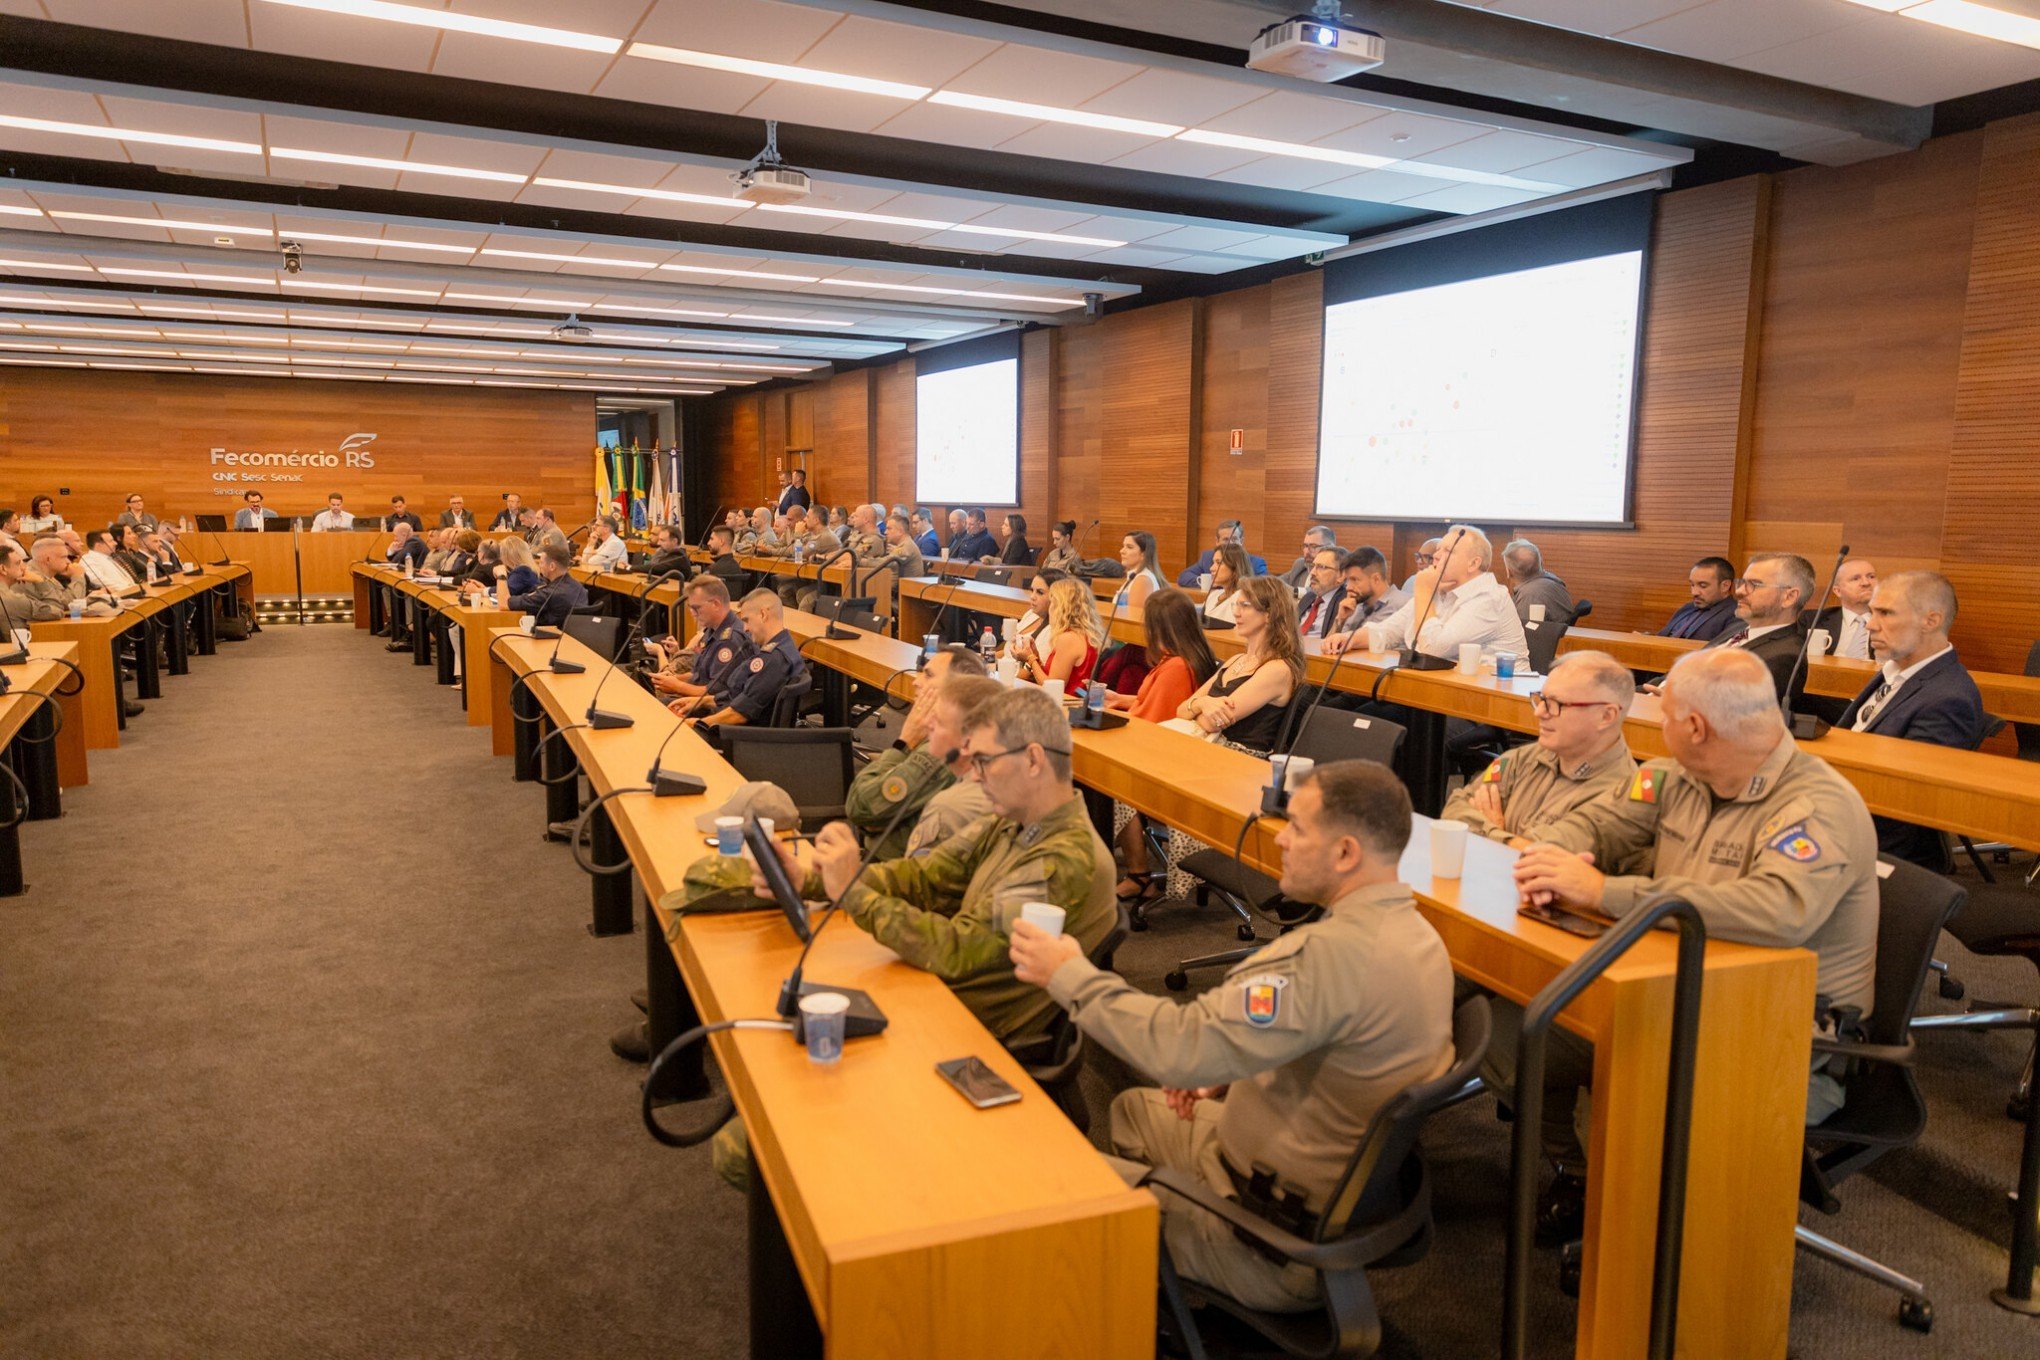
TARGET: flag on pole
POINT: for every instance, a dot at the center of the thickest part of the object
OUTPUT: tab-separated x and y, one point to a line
655	509
601	477
640	482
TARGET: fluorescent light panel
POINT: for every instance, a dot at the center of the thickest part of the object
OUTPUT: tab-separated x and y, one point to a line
1048	113
772	70
1361	160
379	241
631	191
114	134
1964	16
403	167
461	23
164	223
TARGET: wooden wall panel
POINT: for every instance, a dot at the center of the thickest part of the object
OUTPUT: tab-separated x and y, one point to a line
106	434
1125	446
1990	537
1234	485
841	470
893	405
1080	435
736	464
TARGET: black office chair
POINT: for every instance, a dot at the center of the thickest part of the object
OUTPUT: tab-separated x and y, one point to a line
600	635
1998	920
1378	1215
1056	1059
1882	1108
813	764
1544	637
792	697
1328	734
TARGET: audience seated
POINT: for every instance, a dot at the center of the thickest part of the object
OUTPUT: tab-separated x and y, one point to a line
1470	606
1229	571
1711	611
1062	546
1180	661
920	786
1322	594
1068	650
1366	594
1847	620
1427	556
1315	540
1770	600
1246	700
747	693
1530	585
1143	570
1228	532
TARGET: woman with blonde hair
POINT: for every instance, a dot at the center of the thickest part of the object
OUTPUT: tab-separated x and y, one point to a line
1074	633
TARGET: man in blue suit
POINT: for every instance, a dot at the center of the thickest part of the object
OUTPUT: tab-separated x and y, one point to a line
1923	693
1229	531
1711	611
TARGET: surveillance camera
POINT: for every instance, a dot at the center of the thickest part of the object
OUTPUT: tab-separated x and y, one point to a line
293	257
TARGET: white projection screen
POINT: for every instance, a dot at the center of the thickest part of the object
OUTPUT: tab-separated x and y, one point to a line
1488	382
967	425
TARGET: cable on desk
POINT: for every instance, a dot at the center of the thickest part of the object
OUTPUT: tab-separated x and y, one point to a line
17	798
56	727
61	691
722	1106
588	866
538	750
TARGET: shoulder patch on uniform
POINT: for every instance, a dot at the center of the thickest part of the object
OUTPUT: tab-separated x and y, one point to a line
1796	844
1261	998
1494	771
723	654
893	789
1643	786
757	664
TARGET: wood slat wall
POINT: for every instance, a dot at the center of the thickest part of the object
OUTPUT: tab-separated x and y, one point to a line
105	434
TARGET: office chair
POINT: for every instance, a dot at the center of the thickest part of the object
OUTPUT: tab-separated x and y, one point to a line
814	765
2000	920
1328	734
1476	747
1056	1059
1882	1108
1378	1215
1544	637
786	708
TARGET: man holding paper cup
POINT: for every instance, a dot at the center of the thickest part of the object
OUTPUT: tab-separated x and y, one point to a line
1269	1080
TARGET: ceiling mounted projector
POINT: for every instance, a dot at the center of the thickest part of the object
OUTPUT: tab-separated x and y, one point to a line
768	179
572	329
1316	47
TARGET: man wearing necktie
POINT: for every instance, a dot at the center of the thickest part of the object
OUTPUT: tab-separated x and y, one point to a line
1711	611
1320	602
1847	620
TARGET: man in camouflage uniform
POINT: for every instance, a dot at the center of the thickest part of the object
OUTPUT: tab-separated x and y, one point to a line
1270	1079
923	772
1767	842
1579	754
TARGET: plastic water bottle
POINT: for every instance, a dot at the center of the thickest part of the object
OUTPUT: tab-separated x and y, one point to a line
799	553
988	648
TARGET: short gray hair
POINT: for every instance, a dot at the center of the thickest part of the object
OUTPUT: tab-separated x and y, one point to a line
1609	677
1025	716
1324	531
1797	570
1926	591
1732	690
1484	550
1523	558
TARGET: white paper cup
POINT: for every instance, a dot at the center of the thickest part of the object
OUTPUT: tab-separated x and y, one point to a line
1009	669
1046	915
1053	689
1536	613
525	624
1294	770
1448	849
1010	629
1817	643
822	1019
1469	658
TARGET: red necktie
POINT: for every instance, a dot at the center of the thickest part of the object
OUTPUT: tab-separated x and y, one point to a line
1311	617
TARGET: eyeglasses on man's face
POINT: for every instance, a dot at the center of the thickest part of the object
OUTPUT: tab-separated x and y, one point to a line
1544	706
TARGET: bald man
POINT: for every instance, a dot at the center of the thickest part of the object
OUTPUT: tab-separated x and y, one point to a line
1847	620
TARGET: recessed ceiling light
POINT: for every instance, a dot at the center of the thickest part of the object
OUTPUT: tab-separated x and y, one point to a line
461	23
37	266
48	363
114	134
65	304
740	273
182	277
772	70
932	224
246	372
716	344
228	339
75	330
109	349
1982	21
569	303
402	167
631	191
315	285
1362	160
165	223
604	261
379	241
143	368
787	320
13	210
1048	113
953	292
652	311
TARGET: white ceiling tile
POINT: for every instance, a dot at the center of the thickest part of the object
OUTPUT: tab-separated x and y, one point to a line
1283	172
758	29
667	212
1727	29
1902	60
1418	135
1027	219
1184	158
338	37
1500	152
817	106
683	87
886	51
1294	117
1039	76
1597	166
925	122
1062	141
476	153
220	22
1136	257
1173	97
1208	239
473	56
1274	248
1590	16
1470	198
1379	186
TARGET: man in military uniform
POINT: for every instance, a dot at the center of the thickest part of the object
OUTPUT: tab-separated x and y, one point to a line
923	771
1579	754
721	645
1270	1079
901	558
57	580
20	606
1767	842
747	692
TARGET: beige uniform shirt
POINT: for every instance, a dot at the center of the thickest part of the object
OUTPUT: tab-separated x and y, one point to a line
1536	790
1790	860
868	548
1314	1033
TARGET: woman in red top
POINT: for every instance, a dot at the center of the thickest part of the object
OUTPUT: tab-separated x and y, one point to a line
1183	661
1068	649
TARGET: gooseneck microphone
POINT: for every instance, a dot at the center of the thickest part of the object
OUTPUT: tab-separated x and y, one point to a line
602	719
1807	726
18	654
1410	658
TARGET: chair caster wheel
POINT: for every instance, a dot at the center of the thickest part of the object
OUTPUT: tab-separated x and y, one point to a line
1918	1314
1952	988
1176	981
1246	934
2019	1108
1137	920
1571	1266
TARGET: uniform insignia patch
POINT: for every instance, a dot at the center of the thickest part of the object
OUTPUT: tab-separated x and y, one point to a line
1796	845
1644	787
1494	771
1261	998
894	789
723	655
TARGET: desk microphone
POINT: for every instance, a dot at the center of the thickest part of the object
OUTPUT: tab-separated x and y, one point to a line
1275	797
831	632
1084	715
1807	726
602	719
1078	545
226	560
19	654
1409	658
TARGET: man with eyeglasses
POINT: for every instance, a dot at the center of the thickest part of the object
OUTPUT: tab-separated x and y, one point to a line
1315	540
720	647
1426	556
1579	754
1769	598
1229	531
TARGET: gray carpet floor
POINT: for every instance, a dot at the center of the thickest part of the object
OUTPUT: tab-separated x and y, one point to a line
297	1067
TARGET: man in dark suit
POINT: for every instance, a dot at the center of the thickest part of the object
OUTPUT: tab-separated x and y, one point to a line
456	515
1769	599
794	492
400	513
1322	593
1711	611
1847	620
1923	692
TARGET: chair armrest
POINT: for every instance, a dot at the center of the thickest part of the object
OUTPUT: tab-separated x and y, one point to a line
1899	1055
1351	1252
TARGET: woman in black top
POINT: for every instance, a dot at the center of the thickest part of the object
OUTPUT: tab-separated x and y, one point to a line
1246	700
1016	552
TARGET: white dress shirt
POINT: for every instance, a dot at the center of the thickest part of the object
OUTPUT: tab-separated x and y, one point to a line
1221	609
1894	680
327	521
605	555
102	569
1852	635
1481	610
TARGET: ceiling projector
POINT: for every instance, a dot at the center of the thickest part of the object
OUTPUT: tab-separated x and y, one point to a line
572	329
1318	48
768	179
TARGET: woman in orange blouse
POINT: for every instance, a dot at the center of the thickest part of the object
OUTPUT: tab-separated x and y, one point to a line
1183	661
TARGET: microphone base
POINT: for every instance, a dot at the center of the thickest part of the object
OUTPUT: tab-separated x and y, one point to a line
543	634
194	570
675	783
1410	659
1807	727
558	667
1274	801
835	634
602	720
224	562
862	1020
15	658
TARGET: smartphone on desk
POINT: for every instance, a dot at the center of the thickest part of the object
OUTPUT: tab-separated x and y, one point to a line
976	1082
1584	926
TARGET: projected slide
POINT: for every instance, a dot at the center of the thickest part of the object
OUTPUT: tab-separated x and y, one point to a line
967	435
1504	398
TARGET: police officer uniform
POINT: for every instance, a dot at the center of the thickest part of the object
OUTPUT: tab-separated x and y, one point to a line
1313	1033
1536	789
751	687
1790	861
720	651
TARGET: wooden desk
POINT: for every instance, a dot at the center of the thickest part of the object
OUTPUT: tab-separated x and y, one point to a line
324	557
46	673
920	1227
1750	1088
